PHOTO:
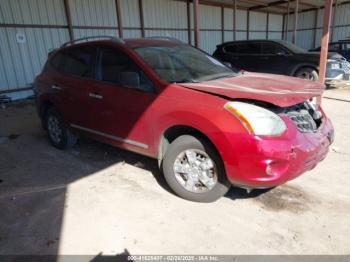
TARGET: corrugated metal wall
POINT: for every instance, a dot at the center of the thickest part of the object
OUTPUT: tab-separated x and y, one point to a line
20	62
45	27
306	37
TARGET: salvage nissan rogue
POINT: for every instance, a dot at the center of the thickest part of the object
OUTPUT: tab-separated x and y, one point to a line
208	126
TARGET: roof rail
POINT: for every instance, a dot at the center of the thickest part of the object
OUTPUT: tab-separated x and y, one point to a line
165	38
119	40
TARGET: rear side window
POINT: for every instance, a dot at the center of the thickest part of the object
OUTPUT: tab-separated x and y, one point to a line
78	61
243	48
116	67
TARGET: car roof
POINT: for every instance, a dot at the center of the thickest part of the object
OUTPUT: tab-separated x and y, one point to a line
138	42
131	42
249	41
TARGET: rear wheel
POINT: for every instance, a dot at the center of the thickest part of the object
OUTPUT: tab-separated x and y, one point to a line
194	170
307	73
59	135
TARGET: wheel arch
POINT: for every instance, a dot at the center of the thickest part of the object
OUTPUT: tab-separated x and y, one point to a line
173	132
43	109
305	65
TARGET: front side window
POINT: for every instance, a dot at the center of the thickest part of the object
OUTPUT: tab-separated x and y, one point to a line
272	49
77	61
291	47
117	68
181	63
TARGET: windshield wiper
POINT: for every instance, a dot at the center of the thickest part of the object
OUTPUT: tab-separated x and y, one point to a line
185	81
222	76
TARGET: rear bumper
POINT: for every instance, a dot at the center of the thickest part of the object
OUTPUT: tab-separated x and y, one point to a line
269	162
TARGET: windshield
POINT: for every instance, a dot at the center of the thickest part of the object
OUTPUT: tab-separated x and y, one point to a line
183	64
292	47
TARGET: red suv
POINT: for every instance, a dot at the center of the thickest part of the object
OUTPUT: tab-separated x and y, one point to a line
208	126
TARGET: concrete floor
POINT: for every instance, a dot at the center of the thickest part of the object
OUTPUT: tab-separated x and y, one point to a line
96	199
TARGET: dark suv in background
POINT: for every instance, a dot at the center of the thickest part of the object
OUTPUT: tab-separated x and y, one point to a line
342	47
280	57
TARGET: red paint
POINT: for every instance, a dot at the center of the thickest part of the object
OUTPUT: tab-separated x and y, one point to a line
144	117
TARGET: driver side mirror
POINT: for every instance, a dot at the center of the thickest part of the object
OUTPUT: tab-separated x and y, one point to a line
281	53
129	79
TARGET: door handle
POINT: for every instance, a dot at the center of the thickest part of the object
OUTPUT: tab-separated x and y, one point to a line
94	95
56	87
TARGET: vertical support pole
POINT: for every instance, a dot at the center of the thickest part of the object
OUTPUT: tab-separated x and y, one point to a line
333	19
248	23
283	26
325	41
196	23
69	19
222	24
315	28
189	35
267	25
296	11
142	23
119	18
234	19
287	21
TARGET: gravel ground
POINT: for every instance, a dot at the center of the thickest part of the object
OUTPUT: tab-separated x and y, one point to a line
95	199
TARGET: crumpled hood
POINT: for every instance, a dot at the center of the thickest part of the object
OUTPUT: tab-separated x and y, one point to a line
275	89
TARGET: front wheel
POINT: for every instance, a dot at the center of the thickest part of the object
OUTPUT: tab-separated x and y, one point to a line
194	170
307	73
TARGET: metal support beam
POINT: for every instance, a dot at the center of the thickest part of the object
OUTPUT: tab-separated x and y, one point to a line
119	18
189	35
296	11
287	22
222	25
333	19
315	28
69	19
142	23
196	23
283	26
267	25
248	23
325	40
234	19
271	4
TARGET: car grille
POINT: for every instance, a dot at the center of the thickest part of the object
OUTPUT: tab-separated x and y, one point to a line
305	117
303	120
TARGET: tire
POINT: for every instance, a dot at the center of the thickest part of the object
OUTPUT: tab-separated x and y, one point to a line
307	73
175	180
59	135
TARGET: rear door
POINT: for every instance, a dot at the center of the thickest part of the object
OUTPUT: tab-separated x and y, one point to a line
122	101
243	55
75	79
